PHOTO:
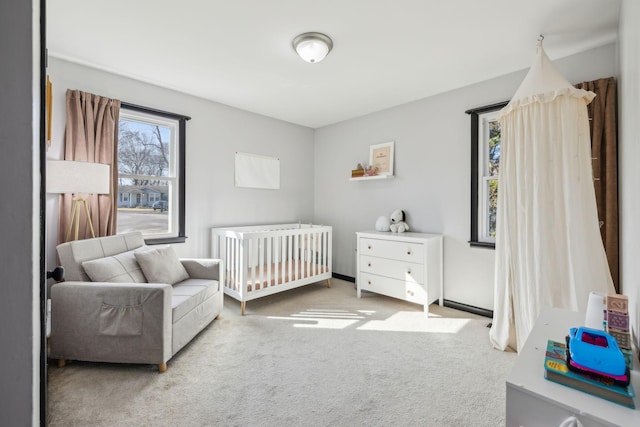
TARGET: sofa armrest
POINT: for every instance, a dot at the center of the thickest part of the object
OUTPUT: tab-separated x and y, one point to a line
203	268
111	322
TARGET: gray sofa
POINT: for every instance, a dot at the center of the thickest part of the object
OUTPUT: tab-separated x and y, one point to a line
123	319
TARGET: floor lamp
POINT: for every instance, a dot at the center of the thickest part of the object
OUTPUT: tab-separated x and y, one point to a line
79	178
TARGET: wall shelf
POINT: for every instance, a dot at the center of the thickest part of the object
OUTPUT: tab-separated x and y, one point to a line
366	178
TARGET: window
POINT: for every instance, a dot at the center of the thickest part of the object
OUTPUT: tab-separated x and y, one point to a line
151	151
485	173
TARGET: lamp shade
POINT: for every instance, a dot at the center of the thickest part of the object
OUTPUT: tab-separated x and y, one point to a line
64	176
312	47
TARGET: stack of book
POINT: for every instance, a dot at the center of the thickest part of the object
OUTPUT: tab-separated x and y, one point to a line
617	323
556	370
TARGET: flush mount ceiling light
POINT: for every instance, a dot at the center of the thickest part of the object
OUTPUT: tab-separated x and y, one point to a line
312	47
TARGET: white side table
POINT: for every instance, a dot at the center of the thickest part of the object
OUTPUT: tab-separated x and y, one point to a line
534	401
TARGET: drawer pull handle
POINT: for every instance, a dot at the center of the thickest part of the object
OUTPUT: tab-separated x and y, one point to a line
369	247
408	271
369	264
409	252
369	282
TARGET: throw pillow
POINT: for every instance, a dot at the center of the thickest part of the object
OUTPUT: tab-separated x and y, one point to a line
161	265
121	268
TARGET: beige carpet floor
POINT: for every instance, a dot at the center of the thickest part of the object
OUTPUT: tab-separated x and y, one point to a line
312	356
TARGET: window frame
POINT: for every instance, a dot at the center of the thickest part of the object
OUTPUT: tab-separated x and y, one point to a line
478	140
180	151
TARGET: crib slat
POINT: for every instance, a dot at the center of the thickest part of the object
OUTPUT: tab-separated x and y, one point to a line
289	257
309	253
296	255
232	263
240	273
318	257
222	241
276	255
231	266
253	262
237	262
260	266
329	251
255	278
236	266
326	252
312	239
277	240
315	253
230	273
243	263
283	258
269	260
323	254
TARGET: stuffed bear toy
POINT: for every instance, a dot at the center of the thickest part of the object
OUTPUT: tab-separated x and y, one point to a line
397	222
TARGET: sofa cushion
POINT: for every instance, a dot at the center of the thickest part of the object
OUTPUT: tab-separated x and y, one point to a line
73	254
189	294
161	265
117	268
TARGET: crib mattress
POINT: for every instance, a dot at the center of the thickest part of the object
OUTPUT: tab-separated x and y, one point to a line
305	270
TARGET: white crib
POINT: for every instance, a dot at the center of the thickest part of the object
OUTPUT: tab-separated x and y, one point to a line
266	259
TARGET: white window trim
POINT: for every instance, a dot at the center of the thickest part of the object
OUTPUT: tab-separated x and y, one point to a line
479	217
484	177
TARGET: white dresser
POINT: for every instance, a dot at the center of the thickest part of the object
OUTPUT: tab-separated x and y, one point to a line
406	265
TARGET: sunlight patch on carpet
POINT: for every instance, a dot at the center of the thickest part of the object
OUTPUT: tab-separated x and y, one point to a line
334	314
402	321
405	321
319	322
325	318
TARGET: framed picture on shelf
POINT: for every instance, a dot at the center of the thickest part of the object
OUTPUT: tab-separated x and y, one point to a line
381	158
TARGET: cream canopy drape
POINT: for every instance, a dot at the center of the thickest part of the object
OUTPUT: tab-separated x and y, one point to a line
548	246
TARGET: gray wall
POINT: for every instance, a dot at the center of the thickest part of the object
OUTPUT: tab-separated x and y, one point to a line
19	211
432	168
214	133
629	156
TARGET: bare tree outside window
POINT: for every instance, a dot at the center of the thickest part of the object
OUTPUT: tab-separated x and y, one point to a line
144	169
142	151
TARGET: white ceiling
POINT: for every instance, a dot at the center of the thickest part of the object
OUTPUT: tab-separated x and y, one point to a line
386	52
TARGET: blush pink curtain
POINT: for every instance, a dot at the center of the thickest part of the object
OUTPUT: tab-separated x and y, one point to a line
91	135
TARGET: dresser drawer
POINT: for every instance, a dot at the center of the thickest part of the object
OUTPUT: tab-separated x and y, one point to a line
404	251
405	290
401	270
